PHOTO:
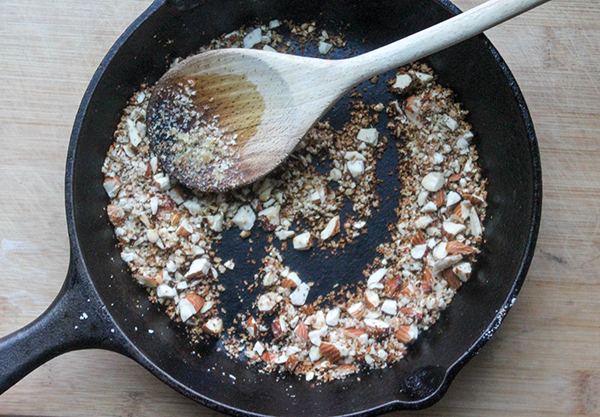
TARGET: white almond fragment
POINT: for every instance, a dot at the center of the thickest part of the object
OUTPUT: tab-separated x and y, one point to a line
452	198
186	309
213	326
372	299
333	317
423	221
475	224
332	228
244	218
335	174
269	217
424	78
267	302
354	156
453	228
403	81
389	307
198	268
229	264
356	168
418	251
165	291
462	271
274	24
430	207
450	122
112	185
369	136
440	251
446	263
434	181
376	277
269	48
303	241
422	197
324	47
162	181
269	279
253	38
314	354
284	234
298	297
215	222
259	348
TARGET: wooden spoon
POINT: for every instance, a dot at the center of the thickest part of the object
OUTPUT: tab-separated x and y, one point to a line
225	118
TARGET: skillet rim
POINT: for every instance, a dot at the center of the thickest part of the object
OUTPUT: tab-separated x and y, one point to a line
133	352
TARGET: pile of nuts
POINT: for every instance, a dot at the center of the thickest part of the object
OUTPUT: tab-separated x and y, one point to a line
167	234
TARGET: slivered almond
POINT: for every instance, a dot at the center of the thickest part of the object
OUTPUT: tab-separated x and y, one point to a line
418	238
331	353
344	370
392	285
453	281
196	301
302	331
291	363
439	198
458	248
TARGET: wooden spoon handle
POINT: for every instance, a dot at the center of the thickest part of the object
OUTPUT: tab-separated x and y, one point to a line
435	38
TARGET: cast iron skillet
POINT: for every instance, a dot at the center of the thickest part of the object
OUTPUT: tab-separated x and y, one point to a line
100	306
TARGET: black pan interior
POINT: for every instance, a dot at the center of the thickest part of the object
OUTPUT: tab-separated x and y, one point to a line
508	156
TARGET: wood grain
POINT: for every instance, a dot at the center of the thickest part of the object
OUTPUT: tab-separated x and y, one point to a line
543	361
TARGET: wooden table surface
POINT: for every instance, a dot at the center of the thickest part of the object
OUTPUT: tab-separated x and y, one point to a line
545	358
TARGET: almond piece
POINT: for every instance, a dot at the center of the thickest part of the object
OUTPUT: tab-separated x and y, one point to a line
427	276
175	219
413	312
213	326
252	327
112	185
244	218
302	241
462	271
353	331
356	310
474	199
288	283
434	181
418	238
392	286
439	198
418	252
344	370
196	301
198	268
453	281
458	248
267	302
302	331
475	224
462	211
291	363
376	328
116	214
332	228
269	357
331	353
454	178
277	329
269	218
407	333
376	277
451	229
184	230
298	297
371	299
389	307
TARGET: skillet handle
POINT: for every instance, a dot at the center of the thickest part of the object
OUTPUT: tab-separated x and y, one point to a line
76	319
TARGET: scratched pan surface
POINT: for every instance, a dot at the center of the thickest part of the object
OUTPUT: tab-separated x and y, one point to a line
117	310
